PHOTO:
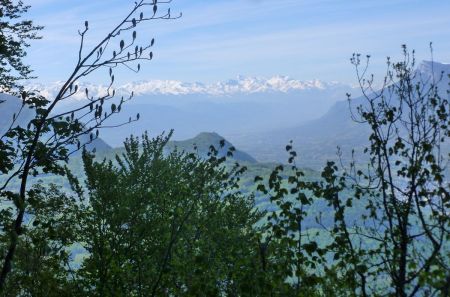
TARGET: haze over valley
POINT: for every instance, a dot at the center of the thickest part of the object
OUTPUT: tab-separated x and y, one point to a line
258	115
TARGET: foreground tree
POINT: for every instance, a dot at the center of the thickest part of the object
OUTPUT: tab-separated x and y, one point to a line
29	149
149	223
295	255
164	223
43	265
15	34
399	246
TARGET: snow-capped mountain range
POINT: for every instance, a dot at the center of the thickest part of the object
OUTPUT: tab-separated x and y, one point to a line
240	85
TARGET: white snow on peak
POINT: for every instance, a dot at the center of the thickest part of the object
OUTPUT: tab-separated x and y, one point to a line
240	85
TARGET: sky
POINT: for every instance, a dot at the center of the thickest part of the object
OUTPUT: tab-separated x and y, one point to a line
216	40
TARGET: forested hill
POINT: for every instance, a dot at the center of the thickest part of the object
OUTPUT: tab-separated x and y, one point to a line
202	143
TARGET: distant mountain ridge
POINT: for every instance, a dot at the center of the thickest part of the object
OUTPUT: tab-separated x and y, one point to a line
10	105
240	85
430	69
317	140
244	104
241	105
202	142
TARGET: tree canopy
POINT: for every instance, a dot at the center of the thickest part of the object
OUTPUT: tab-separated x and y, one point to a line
15	35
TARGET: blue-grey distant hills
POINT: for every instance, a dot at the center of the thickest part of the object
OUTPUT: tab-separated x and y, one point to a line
259	115
244	104
10	106
317	140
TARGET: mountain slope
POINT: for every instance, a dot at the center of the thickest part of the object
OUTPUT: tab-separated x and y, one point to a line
204	140
317	140
245	104
199	144
11	105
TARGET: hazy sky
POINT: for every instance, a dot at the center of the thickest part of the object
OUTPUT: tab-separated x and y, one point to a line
220	39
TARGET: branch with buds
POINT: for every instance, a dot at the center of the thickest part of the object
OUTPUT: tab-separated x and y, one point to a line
51	137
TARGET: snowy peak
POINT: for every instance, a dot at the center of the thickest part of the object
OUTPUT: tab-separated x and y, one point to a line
260	85
240	85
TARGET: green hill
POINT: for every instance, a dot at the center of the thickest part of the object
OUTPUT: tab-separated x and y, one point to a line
204	140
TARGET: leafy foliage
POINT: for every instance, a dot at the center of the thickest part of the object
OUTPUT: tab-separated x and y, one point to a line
149	224
170	224
51	137
158	222
15	34
42	266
